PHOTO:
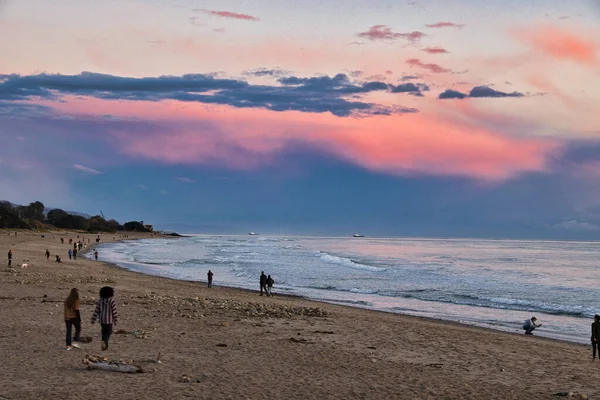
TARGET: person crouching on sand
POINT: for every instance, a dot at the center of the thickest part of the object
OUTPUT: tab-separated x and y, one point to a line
596	336
529	325
106	313
72	317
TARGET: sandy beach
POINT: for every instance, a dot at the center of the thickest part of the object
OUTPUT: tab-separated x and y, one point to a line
233	344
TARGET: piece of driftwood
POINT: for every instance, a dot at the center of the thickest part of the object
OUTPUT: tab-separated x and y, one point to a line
96	362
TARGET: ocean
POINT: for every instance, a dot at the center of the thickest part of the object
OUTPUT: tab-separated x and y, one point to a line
489	283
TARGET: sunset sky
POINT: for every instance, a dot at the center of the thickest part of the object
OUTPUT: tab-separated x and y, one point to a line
412	118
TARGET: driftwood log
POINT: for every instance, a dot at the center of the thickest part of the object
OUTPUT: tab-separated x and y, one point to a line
96	362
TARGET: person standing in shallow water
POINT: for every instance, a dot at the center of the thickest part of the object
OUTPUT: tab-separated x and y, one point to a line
72	317
596	336
96	255
106	313
263	282
210	278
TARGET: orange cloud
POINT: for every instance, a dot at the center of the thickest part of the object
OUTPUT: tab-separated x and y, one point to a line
562	44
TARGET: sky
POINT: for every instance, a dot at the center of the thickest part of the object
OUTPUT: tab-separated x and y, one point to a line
449	118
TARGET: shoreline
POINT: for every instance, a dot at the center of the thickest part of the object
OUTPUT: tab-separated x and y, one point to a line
480	325
296	347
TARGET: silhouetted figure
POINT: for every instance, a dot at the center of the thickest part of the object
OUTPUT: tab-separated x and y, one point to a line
529	325
106	313
70	253
270	283
263	282
210	278
57	259
62	240
9	258
72	316
47	255
596	336
96	255
74	254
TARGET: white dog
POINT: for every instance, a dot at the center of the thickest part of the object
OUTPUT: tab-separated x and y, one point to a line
24	265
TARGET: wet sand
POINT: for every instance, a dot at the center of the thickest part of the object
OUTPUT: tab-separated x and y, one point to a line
234	344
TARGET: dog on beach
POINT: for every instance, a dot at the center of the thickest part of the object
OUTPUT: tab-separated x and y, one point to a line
24	265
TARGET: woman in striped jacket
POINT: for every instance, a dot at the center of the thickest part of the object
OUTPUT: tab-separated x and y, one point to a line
106	313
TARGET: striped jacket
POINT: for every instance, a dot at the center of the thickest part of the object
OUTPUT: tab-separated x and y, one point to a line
105	312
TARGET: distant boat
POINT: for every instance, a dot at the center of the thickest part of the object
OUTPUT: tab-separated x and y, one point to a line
252	233
358	235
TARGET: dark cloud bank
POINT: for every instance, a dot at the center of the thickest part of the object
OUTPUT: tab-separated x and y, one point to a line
315	94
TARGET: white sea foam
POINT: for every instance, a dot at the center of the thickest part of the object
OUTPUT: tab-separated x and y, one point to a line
346	262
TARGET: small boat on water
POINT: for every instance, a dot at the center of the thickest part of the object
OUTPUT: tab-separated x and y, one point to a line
252	233
358	235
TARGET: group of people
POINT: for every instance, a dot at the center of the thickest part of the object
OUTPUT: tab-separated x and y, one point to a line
266	284
105	312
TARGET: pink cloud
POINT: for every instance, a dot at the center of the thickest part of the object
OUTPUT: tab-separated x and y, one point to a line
415	62
440	144
435	50
445	25
229	14
382	32
562	44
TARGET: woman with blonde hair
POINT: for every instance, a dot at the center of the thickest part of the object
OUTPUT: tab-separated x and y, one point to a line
72	316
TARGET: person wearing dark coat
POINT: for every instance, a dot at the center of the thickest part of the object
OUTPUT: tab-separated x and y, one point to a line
270	283
596	336
263	282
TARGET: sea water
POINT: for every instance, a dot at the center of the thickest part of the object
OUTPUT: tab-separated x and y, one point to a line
490	283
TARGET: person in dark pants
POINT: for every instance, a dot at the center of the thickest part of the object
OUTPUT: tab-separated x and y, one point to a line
9	258
270	283
529	325
596	336
72	317
75	254
47	255
96	255
263	282
210	278
106	313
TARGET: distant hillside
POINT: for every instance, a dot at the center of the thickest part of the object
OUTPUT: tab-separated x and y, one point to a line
37	216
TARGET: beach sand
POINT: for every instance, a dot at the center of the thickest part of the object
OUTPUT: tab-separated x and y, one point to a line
235	344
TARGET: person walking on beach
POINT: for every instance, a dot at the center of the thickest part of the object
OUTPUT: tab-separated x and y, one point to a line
75	254
596	336
47	255
210	277
62	240
70	252
263	282
96	255
72	317
9	258
270	283
529	325
106	313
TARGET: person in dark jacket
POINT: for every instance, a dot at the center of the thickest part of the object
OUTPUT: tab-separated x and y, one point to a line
270	283
263	282
106	313
9	258
210	278
529	325
47	255
596	336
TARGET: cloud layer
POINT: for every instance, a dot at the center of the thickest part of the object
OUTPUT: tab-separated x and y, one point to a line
314	95
478	91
